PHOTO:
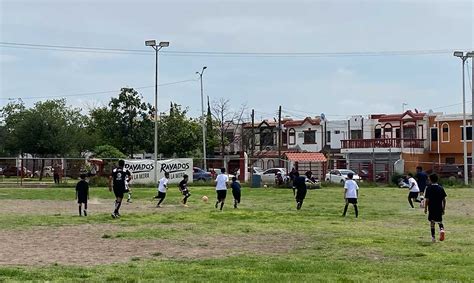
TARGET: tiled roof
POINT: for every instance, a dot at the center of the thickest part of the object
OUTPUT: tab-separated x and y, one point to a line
306	156
397	117
315	121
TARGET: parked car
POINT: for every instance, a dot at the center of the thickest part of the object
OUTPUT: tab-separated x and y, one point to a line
255	171
48	171
269	175
201	175
16	171
339	176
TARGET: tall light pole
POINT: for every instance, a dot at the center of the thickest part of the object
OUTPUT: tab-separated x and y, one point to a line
157	48
203	122
471	55
460	54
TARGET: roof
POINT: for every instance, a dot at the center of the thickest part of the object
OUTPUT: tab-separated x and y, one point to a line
315	121
453	117
306	156
407	115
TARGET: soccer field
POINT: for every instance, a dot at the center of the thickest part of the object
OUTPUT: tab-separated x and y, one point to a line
265	239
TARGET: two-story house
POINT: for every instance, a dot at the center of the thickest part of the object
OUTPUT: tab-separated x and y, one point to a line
447	138
389	142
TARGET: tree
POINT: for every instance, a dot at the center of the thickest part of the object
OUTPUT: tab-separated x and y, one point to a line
178	135
125	123
107	151
226	118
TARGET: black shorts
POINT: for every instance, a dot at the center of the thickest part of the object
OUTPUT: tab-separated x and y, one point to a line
300	194
221	194
413	195
435	215
186	193
82	199
236	195
161	195
352	200
119	193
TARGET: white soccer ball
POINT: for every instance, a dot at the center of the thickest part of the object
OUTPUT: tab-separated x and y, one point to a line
205	199
265	186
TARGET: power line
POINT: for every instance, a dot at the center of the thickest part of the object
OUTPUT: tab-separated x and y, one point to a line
223	53
97	92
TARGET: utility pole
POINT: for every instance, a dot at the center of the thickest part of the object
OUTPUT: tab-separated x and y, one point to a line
253	135
471	54
279	136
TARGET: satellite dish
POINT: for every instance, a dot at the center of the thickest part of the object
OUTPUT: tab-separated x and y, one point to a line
323	117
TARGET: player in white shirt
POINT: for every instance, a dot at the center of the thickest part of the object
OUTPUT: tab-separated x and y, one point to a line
350	194
162	186
414	190
221	187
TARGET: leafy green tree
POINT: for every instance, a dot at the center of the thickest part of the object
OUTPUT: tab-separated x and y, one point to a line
107	151
178	135
125	123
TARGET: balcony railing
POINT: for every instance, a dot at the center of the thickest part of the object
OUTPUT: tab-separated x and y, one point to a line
383	143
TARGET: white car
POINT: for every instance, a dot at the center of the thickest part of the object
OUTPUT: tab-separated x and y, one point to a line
255	171
339	176
48	171
268	176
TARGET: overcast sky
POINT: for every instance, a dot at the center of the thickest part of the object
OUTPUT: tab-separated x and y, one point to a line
336	85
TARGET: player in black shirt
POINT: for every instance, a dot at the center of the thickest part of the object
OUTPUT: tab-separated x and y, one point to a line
235	191
299	184
183	188
435	203
82	194
117	183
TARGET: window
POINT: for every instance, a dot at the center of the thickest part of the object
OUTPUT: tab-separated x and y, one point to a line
445	132
292	136
270	163
337	132
310	137
378	132
397	133
328	137
434	134
450	160
356	134
266	137
468	133
284	138
387	130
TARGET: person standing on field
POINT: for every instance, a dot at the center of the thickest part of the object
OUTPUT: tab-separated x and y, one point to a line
162	187
350	194
221	187
183	188
435	205
235	185
117	183
82	194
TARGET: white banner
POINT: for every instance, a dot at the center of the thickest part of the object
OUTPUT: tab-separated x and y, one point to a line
143	170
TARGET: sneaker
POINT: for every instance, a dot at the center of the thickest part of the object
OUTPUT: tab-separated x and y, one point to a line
158	205
129	200
433	239
185	205
441	235
217	204
114	216
85	212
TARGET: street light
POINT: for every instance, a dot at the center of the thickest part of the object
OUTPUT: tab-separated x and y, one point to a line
471	55
157	48
460	54
203	121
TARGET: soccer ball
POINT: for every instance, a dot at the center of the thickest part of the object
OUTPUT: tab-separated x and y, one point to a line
205	198
265	186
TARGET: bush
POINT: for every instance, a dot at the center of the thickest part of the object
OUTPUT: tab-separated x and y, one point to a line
396	177
98	181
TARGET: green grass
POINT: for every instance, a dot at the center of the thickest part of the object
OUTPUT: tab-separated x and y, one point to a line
389	241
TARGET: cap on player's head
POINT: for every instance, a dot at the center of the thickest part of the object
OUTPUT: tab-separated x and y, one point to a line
222	170
350	175
82	176
167	175
434	178
121	163
185	176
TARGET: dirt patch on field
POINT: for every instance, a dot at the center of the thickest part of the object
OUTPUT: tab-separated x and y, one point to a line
87	245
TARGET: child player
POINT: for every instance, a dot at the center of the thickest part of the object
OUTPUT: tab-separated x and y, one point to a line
414	190
235	191
82	194
299	184
128	190
183	188
435	204
162	186
350	194
221	187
